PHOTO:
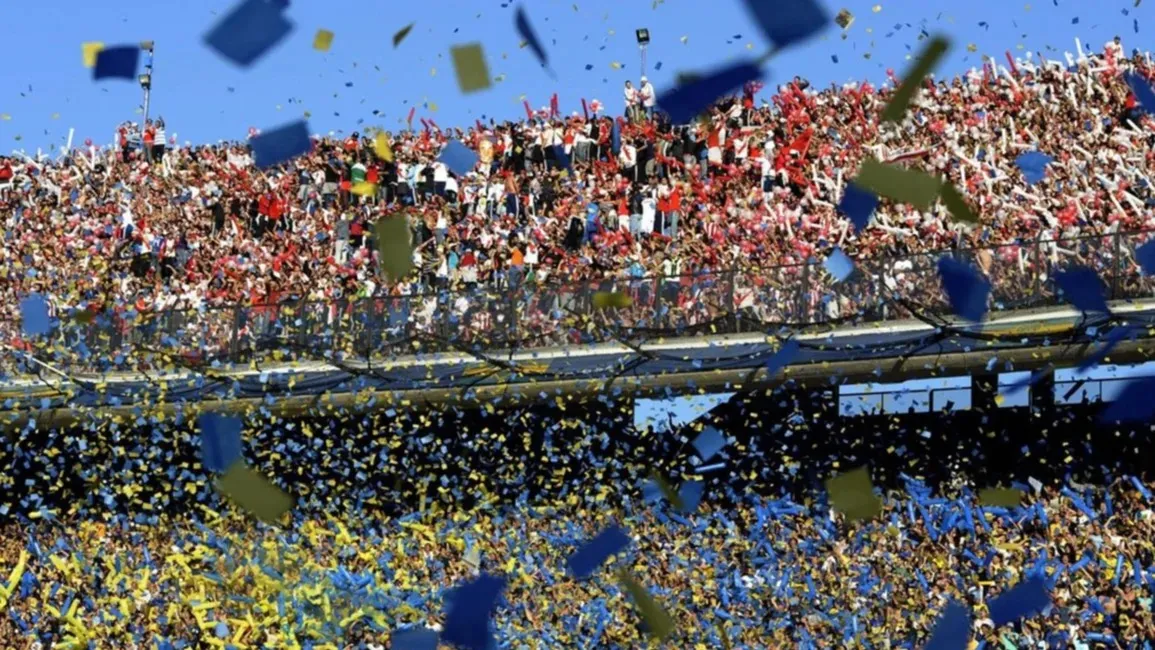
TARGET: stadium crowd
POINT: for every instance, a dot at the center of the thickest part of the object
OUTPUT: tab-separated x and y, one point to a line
766	574
114	536
752	189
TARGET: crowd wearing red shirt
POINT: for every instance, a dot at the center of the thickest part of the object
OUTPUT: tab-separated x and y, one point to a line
723	214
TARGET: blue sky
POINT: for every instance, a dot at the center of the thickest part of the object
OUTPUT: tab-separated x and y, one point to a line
45	90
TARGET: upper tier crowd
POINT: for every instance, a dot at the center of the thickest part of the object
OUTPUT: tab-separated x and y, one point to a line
754	185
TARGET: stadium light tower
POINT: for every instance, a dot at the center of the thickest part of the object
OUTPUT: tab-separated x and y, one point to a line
145	80
643	36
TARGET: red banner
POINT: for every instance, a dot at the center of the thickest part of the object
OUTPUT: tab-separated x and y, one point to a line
1011	62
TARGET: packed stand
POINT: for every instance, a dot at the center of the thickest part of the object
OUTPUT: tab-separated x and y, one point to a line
767	574
695	222
113	533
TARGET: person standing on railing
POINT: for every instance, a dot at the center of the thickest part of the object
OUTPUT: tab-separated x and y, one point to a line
158	142
647	97
631	98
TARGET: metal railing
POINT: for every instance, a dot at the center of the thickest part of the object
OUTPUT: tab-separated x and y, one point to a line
534	315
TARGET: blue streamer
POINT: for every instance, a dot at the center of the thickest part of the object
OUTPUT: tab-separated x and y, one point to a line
1142	489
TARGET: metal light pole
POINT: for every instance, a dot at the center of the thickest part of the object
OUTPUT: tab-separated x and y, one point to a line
643	36
145	80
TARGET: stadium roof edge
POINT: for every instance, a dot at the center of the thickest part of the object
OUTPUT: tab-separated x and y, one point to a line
814	375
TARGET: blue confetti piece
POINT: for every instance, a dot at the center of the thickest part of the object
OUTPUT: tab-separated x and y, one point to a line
839	265
525	31
281	144
966	288
467	622
786	22
691	495
220	441
1144	93
858	205
1033	164
1114	338
709	443
1145	256
586	560
414	639
1082	288
117	63
247	32
1024	599
685	102
459	158
34	317
1134	403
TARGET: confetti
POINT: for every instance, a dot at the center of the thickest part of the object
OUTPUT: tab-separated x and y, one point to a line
254	493
281	144
401	34
914	187
469	63
89	51
912	81
658	622
852	494
323	40
117	63
249	31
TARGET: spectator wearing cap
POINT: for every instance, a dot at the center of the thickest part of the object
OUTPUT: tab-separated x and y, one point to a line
647	97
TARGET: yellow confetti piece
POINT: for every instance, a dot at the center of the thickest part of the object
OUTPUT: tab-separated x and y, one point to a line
852	494
401	34
657	620
685	39
957	204
912	81
432	72
844	19
254	493
469	63
607	299
616	66
381	147
394	246
6	117
876	8
364	189
56	116
971	47
89	51
323	40
1001	497
909	186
